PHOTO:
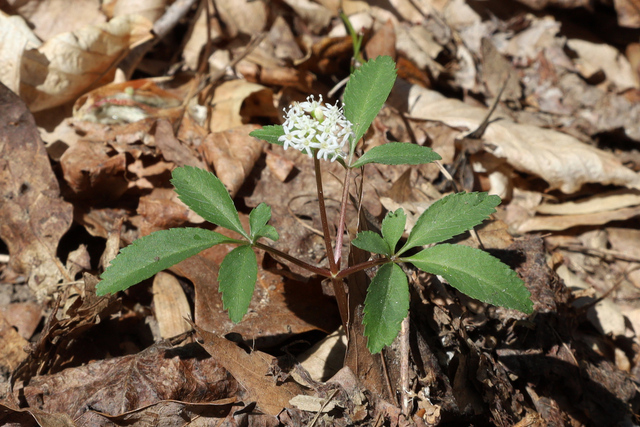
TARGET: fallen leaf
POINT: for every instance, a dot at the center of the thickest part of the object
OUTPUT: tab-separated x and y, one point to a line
229	99
70	63
251	371
593	57
233	153
16	36
558	158
12	346
602	202
34	217
171	305
52	17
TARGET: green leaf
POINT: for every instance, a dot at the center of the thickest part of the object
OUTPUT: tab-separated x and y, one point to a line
476	274
366	92
450	216
386	305
372	242
269	134
237	276
398	153
207	196
153	253
393	227
258	219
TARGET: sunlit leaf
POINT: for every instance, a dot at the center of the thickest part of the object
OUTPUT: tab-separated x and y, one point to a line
372	242
475	273
450	216
207	196
237	277
398	153
269	134
153	253
393	228
367	90
258	218
386	305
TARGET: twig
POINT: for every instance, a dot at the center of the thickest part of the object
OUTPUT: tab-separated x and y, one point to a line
324	405
404	367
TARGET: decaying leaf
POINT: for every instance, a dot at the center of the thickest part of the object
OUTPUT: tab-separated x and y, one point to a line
33	216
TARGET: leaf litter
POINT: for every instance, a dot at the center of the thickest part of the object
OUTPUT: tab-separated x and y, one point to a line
91	168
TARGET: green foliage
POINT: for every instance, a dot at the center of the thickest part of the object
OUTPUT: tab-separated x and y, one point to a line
366	92
237	277
450	216
393	228
269	134
398	153
387	303
207	196
153	253
258	219
476	274
471	271
372	242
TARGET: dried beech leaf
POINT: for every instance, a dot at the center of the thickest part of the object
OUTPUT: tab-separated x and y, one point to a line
229	99
16	36
561	160
33	216
233	154
70	63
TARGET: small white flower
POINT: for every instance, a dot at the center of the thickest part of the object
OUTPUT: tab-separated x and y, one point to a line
310	126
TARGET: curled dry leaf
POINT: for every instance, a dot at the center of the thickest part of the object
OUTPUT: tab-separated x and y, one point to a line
70	63
16	36
233	153
149	9
560	159
237	100
33	215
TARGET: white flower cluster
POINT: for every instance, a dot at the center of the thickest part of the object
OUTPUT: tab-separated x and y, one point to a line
311	126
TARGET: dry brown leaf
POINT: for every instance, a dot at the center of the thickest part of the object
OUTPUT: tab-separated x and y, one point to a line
93	173
198	38
560	159
32	417
230	98
233	153
171	305
122	384
33	215
70	63
251	371
12	346
628	13
172	149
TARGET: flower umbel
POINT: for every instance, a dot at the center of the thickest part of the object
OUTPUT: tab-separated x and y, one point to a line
313	127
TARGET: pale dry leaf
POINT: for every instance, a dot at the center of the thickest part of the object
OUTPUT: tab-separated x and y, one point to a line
560	159
603	202
593	57
229	99
70	63
149	9
171	305
564	222
242	17
233	153
316	16
198	38
51	17
16	36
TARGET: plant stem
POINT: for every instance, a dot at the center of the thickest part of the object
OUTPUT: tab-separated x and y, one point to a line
342	220
312	268
404	368
323	216
359	267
